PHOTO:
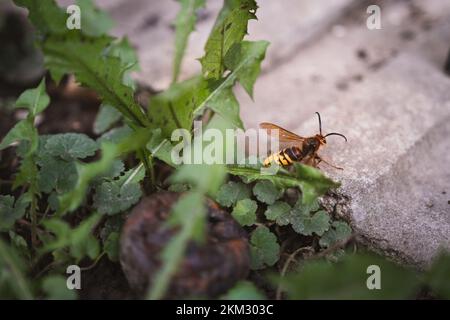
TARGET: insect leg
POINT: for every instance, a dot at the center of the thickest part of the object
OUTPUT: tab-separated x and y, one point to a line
318	160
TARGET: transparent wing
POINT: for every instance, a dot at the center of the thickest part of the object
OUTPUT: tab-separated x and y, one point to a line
286	137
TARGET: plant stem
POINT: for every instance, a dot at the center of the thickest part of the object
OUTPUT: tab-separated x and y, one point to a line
33	218
147	159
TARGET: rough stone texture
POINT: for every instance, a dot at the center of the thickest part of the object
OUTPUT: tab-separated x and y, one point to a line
384	89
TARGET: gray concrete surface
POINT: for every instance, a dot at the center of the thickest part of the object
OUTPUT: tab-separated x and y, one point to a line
384	89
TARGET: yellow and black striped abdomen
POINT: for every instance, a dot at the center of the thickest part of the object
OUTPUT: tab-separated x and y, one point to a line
284	158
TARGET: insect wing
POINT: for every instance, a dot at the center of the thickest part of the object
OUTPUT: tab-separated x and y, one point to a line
286	138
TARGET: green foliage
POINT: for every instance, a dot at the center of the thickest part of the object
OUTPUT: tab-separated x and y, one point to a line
250	54
60	168
35	100
245	212
265	191
229	29
232	192
13	282
11	210
182	102
438	274
174	107
94	22
106	118
87	172
264	248
205	178
278	211
99	67
95	69
70	146
244	290
348	278
22	131
111	246
307	225
339	231
55	288
56	174
45	15
78	241
184	25
112	197
312	182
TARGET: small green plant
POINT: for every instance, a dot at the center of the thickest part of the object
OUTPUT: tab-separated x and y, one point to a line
71	192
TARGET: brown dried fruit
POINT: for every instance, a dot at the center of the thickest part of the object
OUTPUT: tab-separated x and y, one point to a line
206	270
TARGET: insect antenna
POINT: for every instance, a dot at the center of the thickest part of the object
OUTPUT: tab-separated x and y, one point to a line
336	134
320	123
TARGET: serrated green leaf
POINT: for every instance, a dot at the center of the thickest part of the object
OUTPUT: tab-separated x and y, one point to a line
244	60
264	248
311	181
184	25
27	175
55	287
111	197
244	290
106	117
35	100
173	108
114	171
339	231
308	224
278	212
245	212
232	192
251	57
70	146
93	68
265	191
11	210
87	172
229	29
225	104
123	50
23	130
94	22
99	67
182	102
56	174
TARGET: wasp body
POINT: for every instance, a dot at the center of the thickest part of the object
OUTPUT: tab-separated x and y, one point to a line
284	157
299	149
